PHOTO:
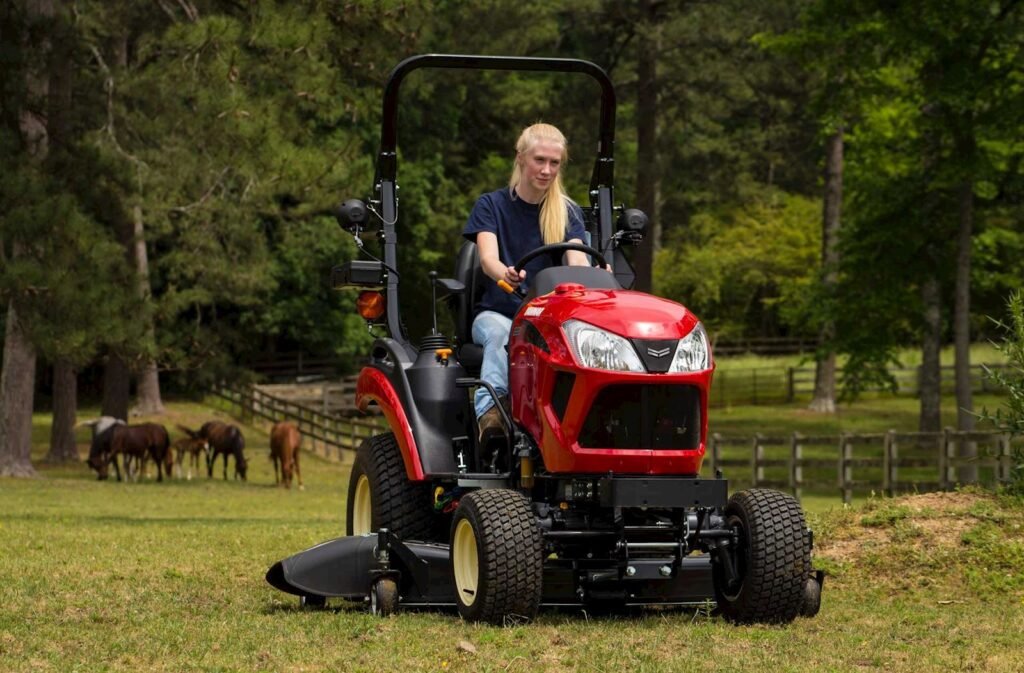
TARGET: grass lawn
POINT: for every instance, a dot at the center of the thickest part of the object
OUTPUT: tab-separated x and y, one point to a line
98	576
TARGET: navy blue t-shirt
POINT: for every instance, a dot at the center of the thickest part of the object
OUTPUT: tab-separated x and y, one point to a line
516	223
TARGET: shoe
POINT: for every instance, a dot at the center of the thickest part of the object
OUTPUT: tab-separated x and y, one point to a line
490	424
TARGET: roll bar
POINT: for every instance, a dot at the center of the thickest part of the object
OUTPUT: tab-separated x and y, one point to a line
387	162
385	189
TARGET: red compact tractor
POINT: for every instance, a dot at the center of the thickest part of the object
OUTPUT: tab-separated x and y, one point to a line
593	496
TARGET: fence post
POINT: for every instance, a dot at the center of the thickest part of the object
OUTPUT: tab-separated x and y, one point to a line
948	452
796	468
890	458
1004	473
845	469
715	439
790	391
758	469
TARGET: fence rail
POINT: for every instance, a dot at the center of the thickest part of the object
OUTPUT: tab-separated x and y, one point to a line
781	385
889	463
326	435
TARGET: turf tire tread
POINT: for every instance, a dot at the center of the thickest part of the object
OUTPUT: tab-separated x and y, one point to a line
778	562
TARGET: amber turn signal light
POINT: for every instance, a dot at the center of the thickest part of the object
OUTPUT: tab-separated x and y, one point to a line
370	304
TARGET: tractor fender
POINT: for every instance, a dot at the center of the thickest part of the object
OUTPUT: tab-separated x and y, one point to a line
423	406
373	386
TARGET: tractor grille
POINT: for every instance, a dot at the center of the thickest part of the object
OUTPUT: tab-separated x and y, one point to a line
655	417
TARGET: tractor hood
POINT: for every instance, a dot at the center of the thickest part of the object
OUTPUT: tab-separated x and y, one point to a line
634	315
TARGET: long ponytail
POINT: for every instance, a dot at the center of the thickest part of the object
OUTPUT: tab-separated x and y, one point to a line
554	205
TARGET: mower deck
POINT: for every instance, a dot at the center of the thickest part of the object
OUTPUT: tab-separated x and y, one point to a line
349	567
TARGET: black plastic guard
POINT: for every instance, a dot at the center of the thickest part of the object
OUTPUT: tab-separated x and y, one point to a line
342	567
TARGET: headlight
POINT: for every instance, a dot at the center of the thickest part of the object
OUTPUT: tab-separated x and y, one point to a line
692	352
596	348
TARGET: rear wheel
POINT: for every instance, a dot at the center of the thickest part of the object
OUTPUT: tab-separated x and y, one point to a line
496	556
773	558
380	494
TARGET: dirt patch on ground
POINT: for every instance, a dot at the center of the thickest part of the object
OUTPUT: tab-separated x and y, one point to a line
936	520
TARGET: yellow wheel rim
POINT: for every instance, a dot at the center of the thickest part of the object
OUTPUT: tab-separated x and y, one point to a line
362	509
464	560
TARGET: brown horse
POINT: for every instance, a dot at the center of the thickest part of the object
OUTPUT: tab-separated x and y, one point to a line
148	440
284	447
223	439
192	446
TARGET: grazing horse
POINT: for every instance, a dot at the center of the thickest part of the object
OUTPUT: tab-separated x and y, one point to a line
284	447
192	446
148	440
222	439
99	449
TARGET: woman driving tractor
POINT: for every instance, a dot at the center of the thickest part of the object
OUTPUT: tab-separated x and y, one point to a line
506	224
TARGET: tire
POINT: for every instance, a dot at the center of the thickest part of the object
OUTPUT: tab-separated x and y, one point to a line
384	597
496	557
380	494
773	559
812	598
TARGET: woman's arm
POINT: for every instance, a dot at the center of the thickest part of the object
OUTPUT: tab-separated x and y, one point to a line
487	246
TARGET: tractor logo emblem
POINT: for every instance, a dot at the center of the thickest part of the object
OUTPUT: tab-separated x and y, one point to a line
658	352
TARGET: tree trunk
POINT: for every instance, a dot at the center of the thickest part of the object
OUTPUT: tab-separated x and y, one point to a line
825	361
17	380
116	388
65	408
647	175
967	474
148	390
931	344
17	383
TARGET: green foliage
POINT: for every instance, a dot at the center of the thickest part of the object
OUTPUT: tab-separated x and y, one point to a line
1010	417
747	269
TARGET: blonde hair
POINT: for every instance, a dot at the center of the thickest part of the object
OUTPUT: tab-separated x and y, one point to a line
554	205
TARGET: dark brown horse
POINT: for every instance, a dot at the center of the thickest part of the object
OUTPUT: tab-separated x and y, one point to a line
147	440
223	439
284	448
99	449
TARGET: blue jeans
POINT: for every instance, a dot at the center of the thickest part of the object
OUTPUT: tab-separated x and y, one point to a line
491	330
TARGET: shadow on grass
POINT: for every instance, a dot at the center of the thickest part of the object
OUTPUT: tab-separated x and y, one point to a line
160	520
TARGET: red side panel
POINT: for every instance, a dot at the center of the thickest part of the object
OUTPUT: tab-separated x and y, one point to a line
373	386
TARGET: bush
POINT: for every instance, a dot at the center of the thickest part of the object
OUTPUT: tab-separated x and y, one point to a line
1010	417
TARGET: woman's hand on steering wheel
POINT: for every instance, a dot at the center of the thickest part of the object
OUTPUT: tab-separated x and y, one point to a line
514	275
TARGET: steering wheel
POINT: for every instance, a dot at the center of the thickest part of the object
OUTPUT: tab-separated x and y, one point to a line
547	250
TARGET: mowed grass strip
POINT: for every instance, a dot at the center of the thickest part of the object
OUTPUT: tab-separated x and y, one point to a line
98	576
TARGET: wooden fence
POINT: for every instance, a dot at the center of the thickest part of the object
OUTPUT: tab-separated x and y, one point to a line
888	463
781	385
326	435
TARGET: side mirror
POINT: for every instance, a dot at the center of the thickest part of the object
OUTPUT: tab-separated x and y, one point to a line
352	215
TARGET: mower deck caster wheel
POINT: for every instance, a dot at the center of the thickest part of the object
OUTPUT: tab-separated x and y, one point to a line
812	595
312	601
384	597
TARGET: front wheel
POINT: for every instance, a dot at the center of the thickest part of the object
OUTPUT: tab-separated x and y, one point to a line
496	556
772	558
